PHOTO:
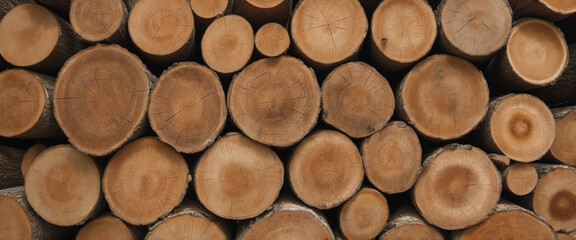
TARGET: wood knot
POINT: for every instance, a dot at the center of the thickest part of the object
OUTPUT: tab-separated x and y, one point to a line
384	40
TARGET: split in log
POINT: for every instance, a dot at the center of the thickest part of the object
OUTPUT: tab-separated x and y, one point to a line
275	101
63	186
10	161
144	181
26	105
101	21
260	12
101	98
551	10
62	7
206	11
30	156
357	100
188	107
407	224
238	178
564	146
499	159
325	169
561	92
443	97
7	5
272	40
392	158
457	187
107	226
519	178
364	215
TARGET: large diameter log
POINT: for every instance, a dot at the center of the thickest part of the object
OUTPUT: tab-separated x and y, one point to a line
107	226
325	169
206	11
144	181
392	158
519	126
7	5
101	98
561	92
519	178
327	33
401	33
407	224
19	221
238	178
564	146
551	10
101	21
188	107
357	100
63	186
30	156
364	215
275	101
457	187
26	105
272	40
443	97
32	36
163	31
473	29
10	160
260	12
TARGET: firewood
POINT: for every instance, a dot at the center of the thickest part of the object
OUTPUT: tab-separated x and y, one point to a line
275	101
519	178
10	160
30	156
188	107
27	105
238	178
499	159
563	148
107	226
7	5
406	223
101	98
63	186
260	12
144	181
457	187
101	21
547	9
443	97
206	11
561	92
357	100
272	40
364	215
392	158
325	169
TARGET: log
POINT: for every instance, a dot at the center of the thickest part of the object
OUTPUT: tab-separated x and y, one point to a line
546	9
563	148
101	21
508	221
519	126
458	186
10	160
474	30
189	221
7	5
27	105
519	178
188	107
443	97
238	178
107	226
565	236
401	33
364	215
31	36
61	7
30	156
275	101
144	181
406	223
561	92
499	159
357	100
288	218
19	220
327	33
227	44
392	158
206	11
101	98
163	31
260	12
325	169
272	40
63	186
536	55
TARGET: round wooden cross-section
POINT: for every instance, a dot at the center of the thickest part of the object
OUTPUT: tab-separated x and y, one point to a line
188	107
565	236
100	20
364	215
520	178
205	11
105	227
564	145
272	40
30	156
15	221
275	101
555	199
552	10
406	223
261	12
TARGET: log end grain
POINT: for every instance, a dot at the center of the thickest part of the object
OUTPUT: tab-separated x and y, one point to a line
364	215
564	146
15	221
406	223
564	236
106	227
96	21
555	199
205	11
499	159
30	156
520	178
552	10
272	40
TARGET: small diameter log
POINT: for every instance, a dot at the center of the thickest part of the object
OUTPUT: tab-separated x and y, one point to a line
10	160
499	159
19	221
561	92
325	169
30	156
101	21
327	33
238	178
163	31
406	223
63	186
443	97
535	56
519	126
402	32
357	100
101	99
228	44
7	5
107	226
275	101
565	236
563	148
474	30
508	221
272	40
26	105
188	107
189	221
62	7
519	178
32	36
457	187
551	10
206	11
287	219
260	12
144	181
364	215
392	158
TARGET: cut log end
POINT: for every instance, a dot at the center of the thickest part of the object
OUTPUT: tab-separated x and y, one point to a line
564	146
106	227
15	223
206	11
565	236
520	178
555	199
406	223
499	159
272	40
551	10
364	215
357	100
96	21
30	156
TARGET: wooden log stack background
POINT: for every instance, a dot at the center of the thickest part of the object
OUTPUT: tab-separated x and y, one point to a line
287	119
